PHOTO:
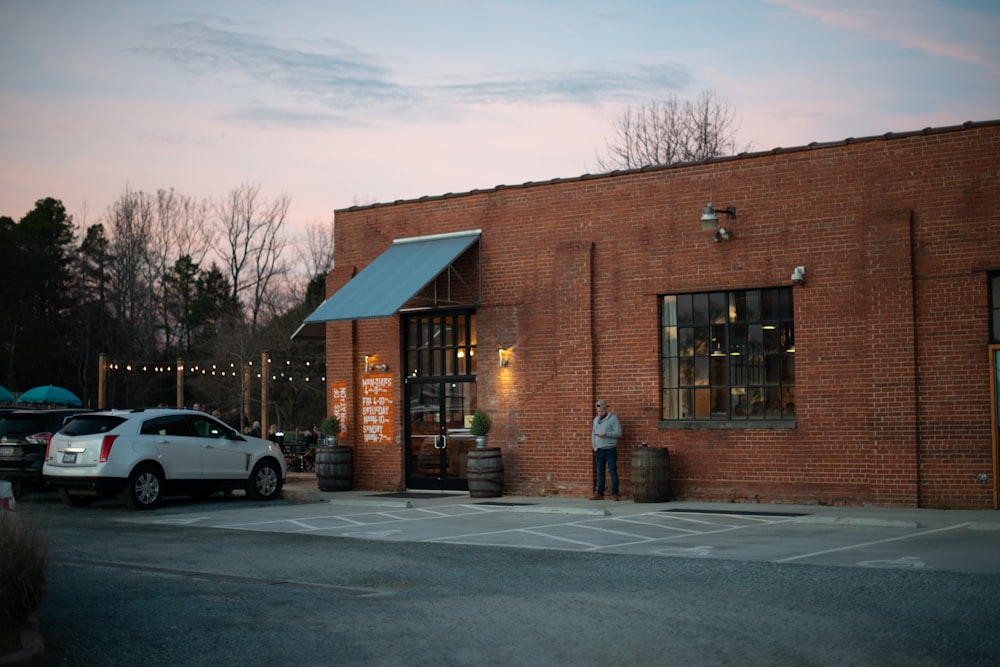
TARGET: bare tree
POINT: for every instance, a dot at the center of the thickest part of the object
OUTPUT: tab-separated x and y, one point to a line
179	231
251	243
131	218
317	256
671	131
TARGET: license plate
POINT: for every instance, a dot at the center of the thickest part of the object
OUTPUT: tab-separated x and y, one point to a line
6	451
69	458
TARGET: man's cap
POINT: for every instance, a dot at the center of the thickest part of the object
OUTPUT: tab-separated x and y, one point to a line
602	403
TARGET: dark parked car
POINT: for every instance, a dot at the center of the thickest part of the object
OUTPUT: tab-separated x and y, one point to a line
24	435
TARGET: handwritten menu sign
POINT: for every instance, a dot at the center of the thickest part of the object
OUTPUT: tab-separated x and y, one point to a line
338	405
376	408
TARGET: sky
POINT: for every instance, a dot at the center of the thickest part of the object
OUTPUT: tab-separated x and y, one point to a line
337	103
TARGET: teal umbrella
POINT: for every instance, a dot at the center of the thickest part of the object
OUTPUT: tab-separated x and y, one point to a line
49	395
6	396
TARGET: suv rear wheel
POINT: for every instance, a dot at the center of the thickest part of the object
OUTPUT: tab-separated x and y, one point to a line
145	488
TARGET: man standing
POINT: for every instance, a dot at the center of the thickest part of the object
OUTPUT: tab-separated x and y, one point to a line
605	433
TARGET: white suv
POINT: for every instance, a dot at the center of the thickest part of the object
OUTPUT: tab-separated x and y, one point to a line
143	455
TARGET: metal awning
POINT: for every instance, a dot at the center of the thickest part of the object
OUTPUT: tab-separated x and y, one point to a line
395	277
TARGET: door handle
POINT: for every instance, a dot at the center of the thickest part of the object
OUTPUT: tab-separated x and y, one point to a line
441	442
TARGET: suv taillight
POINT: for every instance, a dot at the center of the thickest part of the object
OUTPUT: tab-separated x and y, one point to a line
106	446
43	438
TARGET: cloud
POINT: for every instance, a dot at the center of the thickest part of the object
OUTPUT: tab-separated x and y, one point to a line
318	83
933	28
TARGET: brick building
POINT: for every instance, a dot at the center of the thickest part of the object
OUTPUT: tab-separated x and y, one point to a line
867	379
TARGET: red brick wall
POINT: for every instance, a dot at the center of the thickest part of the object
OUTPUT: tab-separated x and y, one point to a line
892	377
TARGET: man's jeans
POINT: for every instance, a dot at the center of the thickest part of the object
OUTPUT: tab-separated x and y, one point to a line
607	457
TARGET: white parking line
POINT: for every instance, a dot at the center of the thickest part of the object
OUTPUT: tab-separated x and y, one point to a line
868	544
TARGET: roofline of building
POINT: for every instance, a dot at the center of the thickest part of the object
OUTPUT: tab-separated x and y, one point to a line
888	136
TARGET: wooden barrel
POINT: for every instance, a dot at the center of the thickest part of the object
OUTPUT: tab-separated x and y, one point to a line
650	474
485	473
334	469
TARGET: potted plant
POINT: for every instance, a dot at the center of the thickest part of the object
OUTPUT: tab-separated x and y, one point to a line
331	429
480	427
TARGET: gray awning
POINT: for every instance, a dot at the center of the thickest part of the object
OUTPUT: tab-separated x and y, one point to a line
383	287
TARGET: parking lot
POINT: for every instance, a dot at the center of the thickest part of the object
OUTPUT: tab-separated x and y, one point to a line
955	541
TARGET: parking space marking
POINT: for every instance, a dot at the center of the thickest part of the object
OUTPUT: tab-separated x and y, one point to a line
868	544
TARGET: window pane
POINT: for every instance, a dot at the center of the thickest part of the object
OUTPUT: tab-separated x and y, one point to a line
686	397
684	309
720	346
701	341
686	371
685	341
738	306
773	403
755	339
753	305
772	369
772	339
699	308
720	396
670	341
788	369
671	404
702	404
669	311
701	367
755	396
718	370
670	378
717	309
738	401
770	305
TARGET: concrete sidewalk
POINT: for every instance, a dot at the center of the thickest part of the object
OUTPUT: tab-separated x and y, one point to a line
303	487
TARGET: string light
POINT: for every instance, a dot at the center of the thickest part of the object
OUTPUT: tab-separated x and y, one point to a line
305	370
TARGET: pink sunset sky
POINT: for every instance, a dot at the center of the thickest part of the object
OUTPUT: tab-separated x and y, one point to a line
340	103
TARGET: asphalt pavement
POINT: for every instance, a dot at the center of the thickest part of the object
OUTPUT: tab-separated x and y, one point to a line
870	537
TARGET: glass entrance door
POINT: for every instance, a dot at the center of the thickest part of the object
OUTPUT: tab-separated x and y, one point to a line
439	439
440	388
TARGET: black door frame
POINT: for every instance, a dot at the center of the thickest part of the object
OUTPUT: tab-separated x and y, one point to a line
439	354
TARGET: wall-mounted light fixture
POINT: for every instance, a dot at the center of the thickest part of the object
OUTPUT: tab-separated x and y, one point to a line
710	218
710	222
370	363
504	356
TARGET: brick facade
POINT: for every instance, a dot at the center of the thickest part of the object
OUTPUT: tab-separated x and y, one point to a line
897	232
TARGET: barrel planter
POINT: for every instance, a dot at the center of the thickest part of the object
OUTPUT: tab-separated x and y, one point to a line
485	473
650	474
334	468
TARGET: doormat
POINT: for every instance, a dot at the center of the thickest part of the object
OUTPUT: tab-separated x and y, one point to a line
412	496
737	512
499	504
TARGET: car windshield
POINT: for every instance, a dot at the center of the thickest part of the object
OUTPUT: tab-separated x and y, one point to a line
91	424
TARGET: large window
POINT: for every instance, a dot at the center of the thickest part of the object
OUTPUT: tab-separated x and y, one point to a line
728	356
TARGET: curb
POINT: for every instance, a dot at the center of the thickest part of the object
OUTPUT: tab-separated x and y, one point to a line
827	520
